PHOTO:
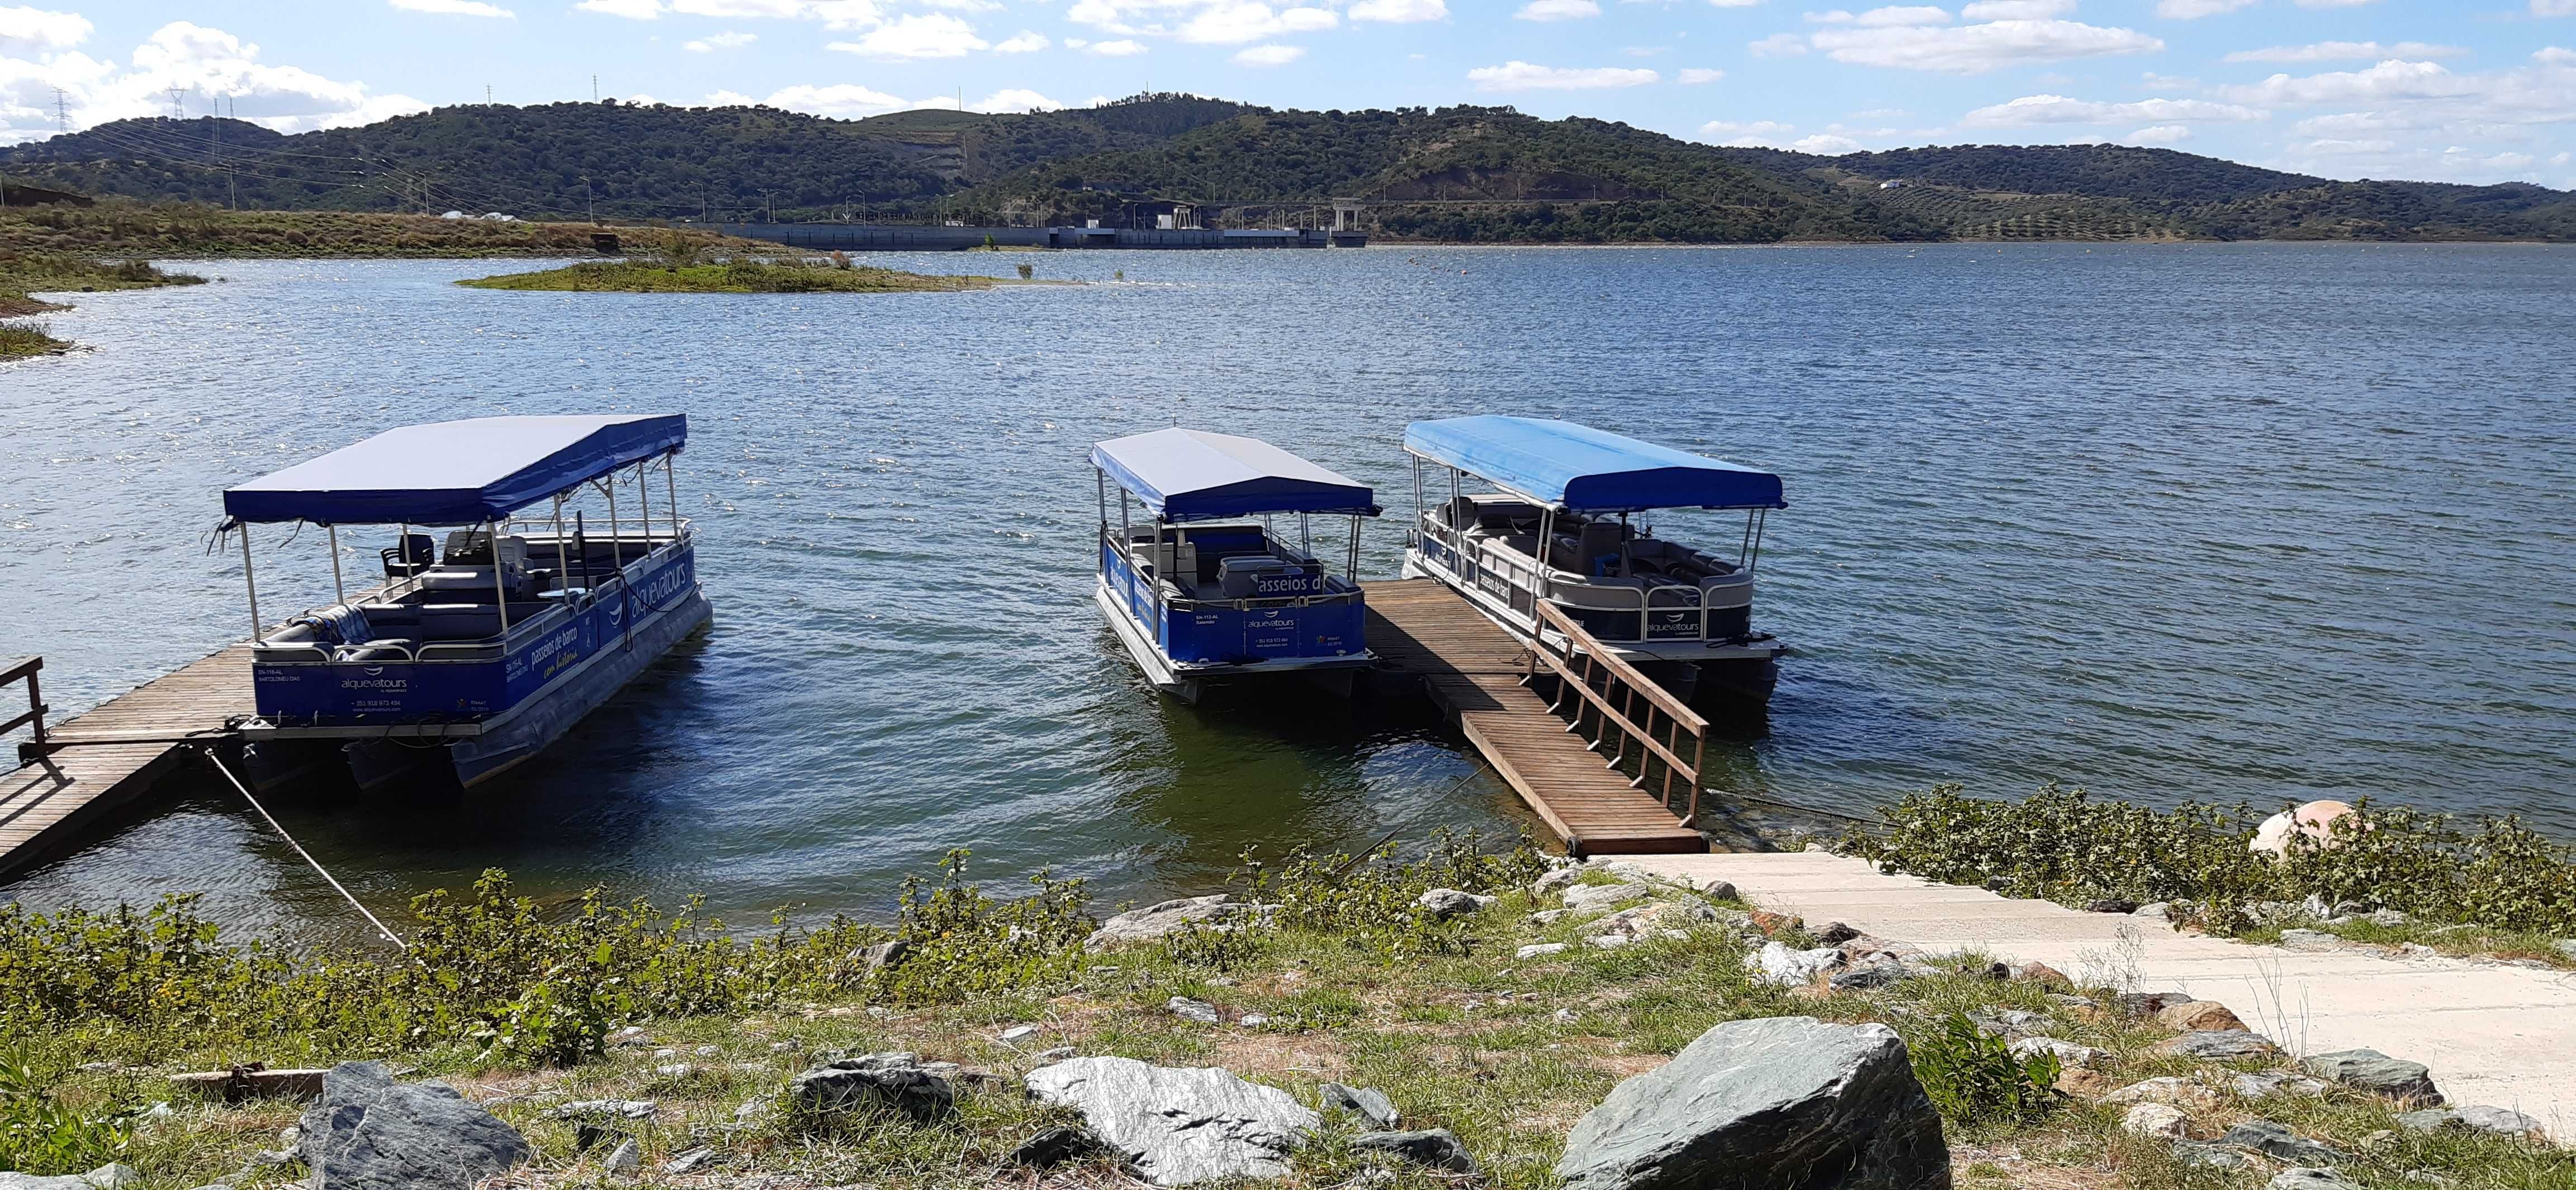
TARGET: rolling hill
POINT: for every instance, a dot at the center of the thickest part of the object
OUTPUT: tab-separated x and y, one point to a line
1467	174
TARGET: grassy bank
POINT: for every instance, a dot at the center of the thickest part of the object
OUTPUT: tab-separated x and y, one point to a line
24	272
2387	875
734	276
124	228
1346	979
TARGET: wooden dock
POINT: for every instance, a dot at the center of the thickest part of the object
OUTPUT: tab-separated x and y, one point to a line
1479	673
92	765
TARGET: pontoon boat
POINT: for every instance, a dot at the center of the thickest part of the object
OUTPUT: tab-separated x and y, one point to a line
1199	603
1682	615
474	652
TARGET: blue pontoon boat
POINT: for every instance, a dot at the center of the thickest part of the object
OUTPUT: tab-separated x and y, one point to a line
1198	602
1684	616
474	652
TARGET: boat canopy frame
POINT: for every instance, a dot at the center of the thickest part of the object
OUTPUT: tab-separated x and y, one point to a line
472	473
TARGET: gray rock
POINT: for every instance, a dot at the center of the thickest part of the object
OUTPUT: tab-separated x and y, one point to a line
2149	1003
1554	880
106	1177
1435	1147
1720	890
2496	1120
1548	917
2219	1045
2111	905
1538	950
2013	1023
1445	903
632	1109
369	1132
2277	1082
894	1082
1835	933
2309	1178
1585	897
1778	965
2156	1119
1998	884
628	1158
1195	1010
1768	1104
2154	911
689	1160
1055	1146
2194	1153
1156	921
875	959
2375	1072
1177	1126
2311	940
2277	1142
1369	1104
2069	1055
2566	947
1871	977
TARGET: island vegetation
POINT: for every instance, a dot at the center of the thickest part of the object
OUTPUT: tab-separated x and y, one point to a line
1495	996
24	273
1458	174
127	228
838	274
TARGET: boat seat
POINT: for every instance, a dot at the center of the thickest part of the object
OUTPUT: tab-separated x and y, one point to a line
459	621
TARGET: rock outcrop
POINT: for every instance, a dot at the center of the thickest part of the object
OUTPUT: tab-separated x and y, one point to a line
1178	1126
1437	1148
1154	922
893	1082
370	1132
105	1177
2373	1071
1766	1104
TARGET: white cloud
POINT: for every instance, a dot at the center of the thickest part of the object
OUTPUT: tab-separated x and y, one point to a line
1269	55
1400	12
453	8
1733	3
915	35
1778	45
206	65
2017	10
1557	10
1114	49
1879	18
728	99
1522	76
2058	109
1233	22
1694	76
1024	42
727	40
1751	134
2346	51
2392	79
2186	10
2553	8
1017	99
2167	82
26	29
844	101
1826	144
2554	56
2161	134
633	10
1974	49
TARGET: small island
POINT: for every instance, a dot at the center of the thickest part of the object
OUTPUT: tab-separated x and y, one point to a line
836	275
26	273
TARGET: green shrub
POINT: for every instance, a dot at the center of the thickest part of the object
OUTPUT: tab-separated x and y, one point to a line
1973	1079
1369	900
41	1136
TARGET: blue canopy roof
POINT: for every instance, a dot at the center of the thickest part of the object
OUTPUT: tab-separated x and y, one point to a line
455	472
1587	470
1193	475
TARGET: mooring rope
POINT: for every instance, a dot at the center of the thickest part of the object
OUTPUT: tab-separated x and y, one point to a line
325	873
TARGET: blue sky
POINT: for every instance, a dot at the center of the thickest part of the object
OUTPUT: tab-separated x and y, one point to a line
2471	90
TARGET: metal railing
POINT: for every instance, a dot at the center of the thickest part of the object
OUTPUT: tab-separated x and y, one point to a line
1606	691
1536	585
24	669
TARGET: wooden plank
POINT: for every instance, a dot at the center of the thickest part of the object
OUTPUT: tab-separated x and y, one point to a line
1474	670
45	806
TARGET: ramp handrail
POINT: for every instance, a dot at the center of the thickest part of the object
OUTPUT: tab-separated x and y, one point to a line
11	671
1611	688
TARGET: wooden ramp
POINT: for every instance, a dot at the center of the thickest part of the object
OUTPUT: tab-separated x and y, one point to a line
106	758
1474	670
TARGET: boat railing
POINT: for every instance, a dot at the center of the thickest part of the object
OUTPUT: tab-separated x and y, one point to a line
1539	585
24	669
1172	595
1608	693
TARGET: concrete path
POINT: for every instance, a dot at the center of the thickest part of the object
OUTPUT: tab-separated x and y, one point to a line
2504	1036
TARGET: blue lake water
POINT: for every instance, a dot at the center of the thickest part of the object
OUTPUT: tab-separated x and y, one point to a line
2251	522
